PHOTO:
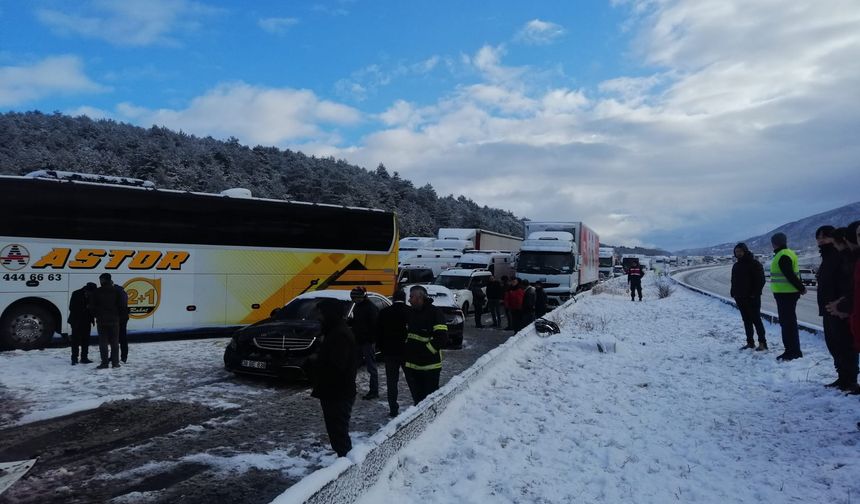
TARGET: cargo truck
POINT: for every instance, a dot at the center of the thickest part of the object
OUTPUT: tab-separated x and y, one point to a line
465	239
607	261
564	256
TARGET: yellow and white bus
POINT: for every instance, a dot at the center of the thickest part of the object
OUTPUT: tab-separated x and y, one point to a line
187	260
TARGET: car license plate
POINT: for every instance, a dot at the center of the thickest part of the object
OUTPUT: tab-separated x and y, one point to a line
254	364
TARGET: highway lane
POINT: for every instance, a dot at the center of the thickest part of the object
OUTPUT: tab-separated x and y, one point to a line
717	280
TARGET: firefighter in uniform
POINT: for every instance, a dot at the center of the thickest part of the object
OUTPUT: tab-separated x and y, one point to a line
427	333
634	279
787	288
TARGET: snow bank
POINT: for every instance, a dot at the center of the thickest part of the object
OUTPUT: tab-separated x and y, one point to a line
677	413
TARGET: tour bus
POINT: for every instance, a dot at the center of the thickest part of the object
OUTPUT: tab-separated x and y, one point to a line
186	260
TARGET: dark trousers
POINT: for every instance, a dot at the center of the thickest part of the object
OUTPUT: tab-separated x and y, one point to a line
495	308
750	309
422	383
786	304
336	413
635	287
81	341
510	318
393	364
369	362
123	340
479	312
528	316
837	335
516	319
109	335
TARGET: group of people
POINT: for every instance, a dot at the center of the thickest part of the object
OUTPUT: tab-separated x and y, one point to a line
106	307
838	296
521	302
409	337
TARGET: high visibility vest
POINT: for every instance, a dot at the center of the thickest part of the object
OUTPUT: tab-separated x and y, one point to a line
778	283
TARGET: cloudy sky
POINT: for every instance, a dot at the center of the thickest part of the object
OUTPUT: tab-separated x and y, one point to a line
672	123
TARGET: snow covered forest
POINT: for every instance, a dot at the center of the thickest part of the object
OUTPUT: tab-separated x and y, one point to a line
175	160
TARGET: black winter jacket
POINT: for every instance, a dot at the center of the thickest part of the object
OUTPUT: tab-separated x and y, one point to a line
833	280
78	311
392	329
334	367
106	304
427	334
495	290
747	278
364	322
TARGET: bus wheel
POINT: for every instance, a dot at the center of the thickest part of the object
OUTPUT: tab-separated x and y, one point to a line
27	326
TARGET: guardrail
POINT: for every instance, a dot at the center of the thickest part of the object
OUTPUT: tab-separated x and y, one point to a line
770	316
349	477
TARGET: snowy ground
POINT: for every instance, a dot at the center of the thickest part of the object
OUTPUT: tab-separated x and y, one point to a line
677	414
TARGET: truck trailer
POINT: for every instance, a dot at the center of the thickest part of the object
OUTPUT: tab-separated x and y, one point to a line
564	256
465	239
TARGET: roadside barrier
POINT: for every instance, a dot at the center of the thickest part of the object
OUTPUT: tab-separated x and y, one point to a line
349	477
770	316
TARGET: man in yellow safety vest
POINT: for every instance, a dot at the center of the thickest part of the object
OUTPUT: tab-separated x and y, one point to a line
787	289
427	333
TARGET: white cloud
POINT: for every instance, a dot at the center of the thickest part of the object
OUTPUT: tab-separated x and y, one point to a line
255	115
747	113
367	81
537	32
128	22
56	75
277	25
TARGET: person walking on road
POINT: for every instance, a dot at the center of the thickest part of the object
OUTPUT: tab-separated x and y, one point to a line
333	371
540	300
514	304
635	272
427	334
478	301
81	321
787	288
364	325
495	294
106	305
747	284
392	344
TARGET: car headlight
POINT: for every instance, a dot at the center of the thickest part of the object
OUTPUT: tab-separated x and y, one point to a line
455	319
234	343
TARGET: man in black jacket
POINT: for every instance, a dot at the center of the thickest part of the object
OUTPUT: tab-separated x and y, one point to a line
747	283
391	344
495	294
529	302
833	285
106	305
333	371
123	324
427	334
635	272
478	301
364	326
540	300
81	321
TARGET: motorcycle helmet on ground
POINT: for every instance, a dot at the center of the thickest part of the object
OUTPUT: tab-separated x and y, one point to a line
545	326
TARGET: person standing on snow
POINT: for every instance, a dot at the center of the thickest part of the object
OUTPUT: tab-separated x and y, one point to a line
529	302
787	288
514	304
427	334
540	300
332	371
122	334
391	344
634	279
747	284
364	325
106	305
495	294
81	321
848	307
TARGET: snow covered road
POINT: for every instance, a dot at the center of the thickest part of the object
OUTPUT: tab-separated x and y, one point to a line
678	414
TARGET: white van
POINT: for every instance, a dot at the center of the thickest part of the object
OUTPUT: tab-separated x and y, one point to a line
437	260
461	281
496	262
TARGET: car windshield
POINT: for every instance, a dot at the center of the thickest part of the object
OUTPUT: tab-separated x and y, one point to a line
299	309
453	282
471	265
545	262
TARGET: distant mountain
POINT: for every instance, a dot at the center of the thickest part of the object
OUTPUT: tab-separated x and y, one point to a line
175	160
801	233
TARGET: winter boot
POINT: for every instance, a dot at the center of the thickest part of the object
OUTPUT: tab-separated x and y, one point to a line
762	345
750	344
834	384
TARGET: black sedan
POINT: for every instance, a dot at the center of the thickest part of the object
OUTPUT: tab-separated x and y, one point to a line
280	344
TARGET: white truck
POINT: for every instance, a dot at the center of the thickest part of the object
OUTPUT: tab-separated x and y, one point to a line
498	263
564	256
411	245
464	239
607	262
